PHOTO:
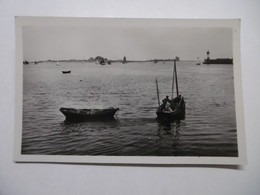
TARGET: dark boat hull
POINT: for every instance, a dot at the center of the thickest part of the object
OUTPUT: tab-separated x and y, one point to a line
80	115
66	72
177	113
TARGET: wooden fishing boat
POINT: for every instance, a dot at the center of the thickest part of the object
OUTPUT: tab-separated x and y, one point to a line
79	115
66	71
174	108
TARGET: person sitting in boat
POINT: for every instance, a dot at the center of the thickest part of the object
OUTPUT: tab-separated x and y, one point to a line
165	100
167	107
166	104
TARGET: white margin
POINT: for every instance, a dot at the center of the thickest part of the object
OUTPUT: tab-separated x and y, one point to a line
20	21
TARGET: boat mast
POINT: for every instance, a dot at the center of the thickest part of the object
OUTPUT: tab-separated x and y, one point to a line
157	88
176	79
173	72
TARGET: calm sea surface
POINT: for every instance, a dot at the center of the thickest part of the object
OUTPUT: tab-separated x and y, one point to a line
209	128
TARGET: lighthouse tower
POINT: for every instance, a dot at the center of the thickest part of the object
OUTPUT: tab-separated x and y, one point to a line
208	58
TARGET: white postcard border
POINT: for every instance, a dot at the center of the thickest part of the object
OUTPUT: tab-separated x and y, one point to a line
34	21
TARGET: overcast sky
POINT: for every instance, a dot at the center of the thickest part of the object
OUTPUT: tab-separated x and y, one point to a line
136	43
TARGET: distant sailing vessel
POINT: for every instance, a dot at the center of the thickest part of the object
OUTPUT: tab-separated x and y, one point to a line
81	115
174	108
124	60
66	71
198	63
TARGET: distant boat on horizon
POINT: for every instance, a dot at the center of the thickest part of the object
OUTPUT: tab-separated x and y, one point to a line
66	71
198	63
124	60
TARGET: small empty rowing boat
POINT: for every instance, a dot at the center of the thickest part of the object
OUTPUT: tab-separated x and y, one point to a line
77	115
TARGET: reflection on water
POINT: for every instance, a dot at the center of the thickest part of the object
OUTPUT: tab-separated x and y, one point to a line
209	128
170	130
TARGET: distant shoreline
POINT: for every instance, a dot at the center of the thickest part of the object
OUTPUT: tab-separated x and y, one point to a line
117	61
93	61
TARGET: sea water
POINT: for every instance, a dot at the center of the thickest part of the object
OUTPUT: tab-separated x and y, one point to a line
209	128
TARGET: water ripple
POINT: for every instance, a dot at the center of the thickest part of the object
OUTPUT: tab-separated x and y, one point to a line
209	128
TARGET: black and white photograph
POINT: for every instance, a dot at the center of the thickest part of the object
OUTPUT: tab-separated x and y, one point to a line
144	91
